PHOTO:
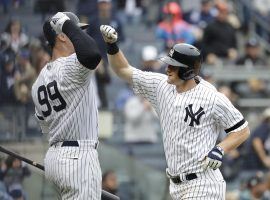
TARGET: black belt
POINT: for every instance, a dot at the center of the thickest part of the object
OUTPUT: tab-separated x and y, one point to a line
189	177
72	143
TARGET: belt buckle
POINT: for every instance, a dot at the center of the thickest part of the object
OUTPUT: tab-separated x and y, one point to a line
175	179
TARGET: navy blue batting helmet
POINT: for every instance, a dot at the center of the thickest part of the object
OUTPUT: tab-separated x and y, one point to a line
186	57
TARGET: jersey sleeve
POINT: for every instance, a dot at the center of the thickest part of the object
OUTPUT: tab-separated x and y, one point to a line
74	72
145	84
227	116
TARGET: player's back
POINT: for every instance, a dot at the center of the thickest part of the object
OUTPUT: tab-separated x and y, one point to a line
65	101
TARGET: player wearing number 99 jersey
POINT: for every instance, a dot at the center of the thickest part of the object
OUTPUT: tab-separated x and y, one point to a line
66	108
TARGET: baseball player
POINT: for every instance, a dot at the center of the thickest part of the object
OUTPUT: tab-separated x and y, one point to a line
192	114
66	108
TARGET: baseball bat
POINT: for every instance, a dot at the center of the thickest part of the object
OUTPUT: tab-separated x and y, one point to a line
104	195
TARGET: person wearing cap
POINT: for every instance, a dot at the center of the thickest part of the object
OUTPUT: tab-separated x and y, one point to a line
252	56
149	59
192	114
65	101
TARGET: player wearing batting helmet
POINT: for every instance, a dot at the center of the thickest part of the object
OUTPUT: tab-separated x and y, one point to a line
66	108
187	58
192	113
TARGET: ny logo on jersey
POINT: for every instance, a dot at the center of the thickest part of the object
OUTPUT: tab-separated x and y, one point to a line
194	117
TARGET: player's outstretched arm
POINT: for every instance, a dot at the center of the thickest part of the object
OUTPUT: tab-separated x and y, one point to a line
116	58
85	47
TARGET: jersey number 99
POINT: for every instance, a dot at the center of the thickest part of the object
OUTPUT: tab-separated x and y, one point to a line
50	92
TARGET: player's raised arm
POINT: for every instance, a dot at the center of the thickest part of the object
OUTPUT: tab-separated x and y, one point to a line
116	57
85	46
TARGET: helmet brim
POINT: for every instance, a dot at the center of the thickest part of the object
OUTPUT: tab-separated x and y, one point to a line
170	61
83	25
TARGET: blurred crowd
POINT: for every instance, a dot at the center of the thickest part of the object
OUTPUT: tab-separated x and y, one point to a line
211	25
12	173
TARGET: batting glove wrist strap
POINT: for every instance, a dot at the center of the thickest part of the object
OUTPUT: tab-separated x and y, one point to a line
112	48
220	150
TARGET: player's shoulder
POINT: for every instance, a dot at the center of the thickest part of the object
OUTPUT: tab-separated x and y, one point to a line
206	85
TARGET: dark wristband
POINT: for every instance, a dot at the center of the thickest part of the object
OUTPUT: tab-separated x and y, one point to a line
112	48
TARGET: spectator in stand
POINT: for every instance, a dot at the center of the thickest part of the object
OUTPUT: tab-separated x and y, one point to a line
256	187
109	182
26	77
201	18
16	192
252	88
173	29
13	38
7	80
15	173
258	148
252	56
226	90
150	12
204	16
149	60
87	10
105	16
39	57
251	59
3	190
219	40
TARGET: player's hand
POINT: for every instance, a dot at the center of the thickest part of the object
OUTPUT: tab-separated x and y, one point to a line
214	158
108	33
57	21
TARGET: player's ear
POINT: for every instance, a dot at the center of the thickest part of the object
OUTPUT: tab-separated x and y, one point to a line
62	37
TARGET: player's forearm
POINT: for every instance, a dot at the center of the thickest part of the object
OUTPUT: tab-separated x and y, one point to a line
85	47
234	139
120	65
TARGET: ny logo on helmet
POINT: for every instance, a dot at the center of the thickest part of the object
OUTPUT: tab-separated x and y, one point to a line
194	117
171	52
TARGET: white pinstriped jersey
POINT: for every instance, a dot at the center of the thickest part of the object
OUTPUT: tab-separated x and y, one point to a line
191	121
65	101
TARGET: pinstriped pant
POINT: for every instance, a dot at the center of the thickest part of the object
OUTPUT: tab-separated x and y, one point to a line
75	171
210	185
